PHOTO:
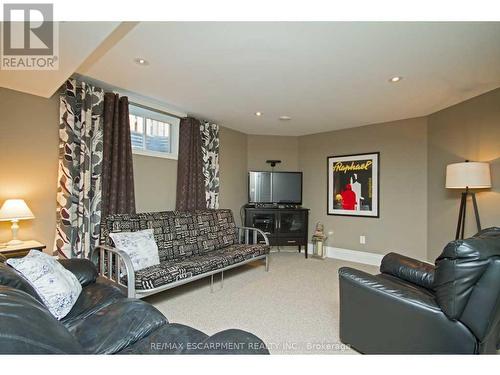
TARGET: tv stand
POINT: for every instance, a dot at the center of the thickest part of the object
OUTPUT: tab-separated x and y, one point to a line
283	226
275	205
264	205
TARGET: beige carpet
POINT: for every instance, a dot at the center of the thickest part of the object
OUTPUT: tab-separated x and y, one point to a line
293	308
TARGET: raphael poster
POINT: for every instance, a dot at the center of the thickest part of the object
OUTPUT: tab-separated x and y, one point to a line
353	185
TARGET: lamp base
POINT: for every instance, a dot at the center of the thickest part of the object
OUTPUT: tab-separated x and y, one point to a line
15	242
462	214
14	228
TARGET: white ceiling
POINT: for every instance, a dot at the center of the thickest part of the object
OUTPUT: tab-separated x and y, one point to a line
325	75
77	41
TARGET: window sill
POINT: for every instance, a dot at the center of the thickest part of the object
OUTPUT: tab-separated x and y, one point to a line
154	154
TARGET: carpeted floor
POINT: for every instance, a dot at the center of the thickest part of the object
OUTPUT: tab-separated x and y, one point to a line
293	308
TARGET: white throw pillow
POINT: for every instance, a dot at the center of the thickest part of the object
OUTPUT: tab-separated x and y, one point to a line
140	246
57	287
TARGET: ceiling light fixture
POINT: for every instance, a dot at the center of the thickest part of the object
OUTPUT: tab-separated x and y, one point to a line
258	114
395	79
141	61
285	118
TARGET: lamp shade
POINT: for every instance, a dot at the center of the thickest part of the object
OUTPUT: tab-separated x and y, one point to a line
472	175
15	209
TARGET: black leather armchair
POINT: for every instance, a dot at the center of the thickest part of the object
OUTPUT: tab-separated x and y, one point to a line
102	321
413	307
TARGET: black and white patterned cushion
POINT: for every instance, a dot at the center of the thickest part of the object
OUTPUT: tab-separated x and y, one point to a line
160	222
171	271
178	234
139	245
57	287
189	243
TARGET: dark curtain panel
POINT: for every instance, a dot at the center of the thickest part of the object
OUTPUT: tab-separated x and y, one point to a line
190	178
117	169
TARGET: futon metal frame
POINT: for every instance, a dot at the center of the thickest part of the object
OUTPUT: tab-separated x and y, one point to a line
113	264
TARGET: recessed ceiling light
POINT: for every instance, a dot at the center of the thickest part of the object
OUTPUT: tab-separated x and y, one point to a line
395	79
141	61
258	114
285	118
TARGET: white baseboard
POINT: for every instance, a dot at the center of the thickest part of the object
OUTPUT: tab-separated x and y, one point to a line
350	255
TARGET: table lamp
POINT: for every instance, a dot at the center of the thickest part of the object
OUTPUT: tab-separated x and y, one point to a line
14	210
468	175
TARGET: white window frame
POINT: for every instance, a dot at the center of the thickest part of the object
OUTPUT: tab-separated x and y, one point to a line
157	114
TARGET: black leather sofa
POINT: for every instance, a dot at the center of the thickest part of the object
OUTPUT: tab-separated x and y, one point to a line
103	321
413	307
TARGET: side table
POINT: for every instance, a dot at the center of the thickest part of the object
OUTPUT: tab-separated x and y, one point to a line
21	250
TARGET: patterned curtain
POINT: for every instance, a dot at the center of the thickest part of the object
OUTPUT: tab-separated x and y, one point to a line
210	152
80	166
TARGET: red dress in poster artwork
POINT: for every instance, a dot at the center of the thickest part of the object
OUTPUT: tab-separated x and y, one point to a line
348	198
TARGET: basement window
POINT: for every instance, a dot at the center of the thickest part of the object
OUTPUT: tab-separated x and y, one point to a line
153	133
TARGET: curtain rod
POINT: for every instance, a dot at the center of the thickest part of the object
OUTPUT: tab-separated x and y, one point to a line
154	109
110	88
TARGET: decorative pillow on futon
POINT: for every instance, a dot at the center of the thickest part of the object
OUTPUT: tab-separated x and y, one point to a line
140	246
57	287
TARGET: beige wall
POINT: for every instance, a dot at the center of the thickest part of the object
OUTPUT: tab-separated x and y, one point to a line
29	156
28	161
418	216
469	130
156	178
155	183
28	166
263	147
233	170
402	225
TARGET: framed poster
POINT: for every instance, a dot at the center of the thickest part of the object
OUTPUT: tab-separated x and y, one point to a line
353	185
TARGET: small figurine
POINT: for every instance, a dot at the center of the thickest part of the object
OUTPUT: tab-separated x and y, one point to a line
319	233
318	238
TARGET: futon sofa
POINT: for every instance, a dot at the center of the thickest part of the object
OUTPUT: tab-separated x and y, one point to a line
191	245
452	306
102	321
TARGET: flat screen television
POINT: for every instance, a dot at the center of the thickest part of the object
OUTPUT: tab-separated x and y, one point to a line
275	187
